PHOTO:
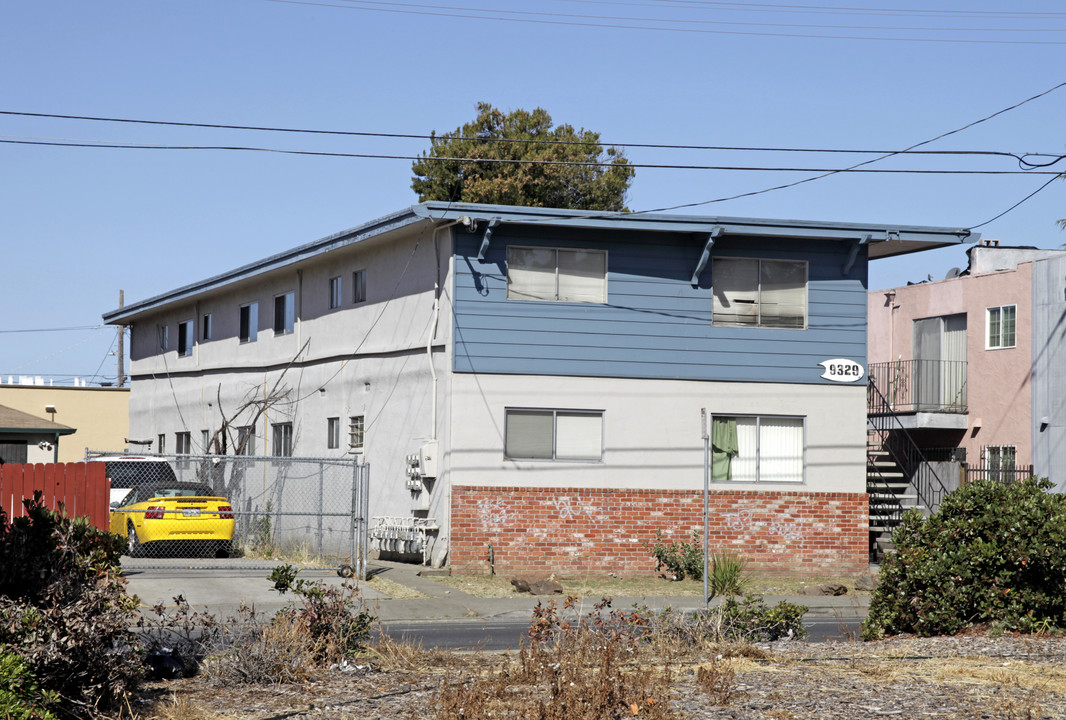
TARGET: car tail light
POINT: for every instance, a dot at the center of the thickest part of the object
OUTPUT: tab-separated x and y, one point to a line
154	513
225	512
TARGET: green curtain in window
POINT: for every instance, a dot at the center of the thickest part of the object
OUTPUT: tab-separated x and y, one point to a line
723	447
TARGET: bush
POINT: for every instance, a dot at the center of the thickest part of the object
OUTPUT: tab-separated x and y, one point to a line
681	559
20	696
334	618
64	609
726	575
751	620
995	553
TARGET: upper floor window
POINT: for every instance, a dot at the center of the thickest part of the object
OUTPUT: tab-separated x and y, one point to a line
757	449
336	289
164	337
556	274
284	313
249	322
282	439
1001	322
206	325
359	286
760	293
185	338
553	434
162	443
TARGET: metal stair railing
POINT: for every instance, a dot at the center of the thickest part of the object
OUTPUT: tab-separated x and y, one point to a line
922	477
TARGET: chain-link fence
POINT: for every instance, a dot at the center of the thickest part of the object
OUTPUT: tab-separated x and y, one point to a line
300	509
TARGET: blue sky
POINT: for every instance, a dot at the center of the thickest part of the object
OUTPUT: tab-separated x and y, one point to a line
79	224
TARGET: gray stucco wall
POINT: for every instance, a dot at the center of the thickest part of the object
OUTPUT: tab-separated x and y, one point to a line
1048	373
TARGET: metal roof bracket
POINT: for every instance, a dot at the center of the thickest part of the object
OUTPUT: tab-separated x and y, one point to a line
854	253
706	255
493	224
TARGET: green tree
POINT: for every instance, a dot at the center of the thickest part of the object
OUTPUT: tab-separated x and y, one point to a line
535	164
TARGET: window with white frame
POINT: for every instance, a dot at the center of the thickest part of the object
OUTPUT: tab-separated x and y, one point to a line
532	434
282	445
336	292
185	338
358	286
556	274
162	439
757	449
1001	461
333	433
284	313
164	337
182	443
248	326
205	441
1001	326
356	432
752	292
245	440
206	327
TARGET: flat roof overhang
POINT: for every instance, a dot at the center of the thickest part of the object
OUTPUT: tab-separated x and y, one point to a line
882	241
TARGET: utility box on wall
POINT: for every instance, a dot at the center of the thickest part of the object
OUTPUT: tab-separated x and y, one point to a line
427	457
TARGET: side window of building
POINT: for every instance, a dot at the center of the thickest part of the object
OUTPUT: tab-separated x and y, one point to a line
356	432
164	337
245	440
333	433
358	286
183	443
248	325
556	274
1001	461
282	440
284	313
336	292
759	293
1001	323
206	335
757	449
185	338
566	435
162	443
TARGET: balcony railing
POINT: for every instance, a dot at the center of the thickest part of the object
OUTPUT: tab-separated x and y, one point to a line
910	386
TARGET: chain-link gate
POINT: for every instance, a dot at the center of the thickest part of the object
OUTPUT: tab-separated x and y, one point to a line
301	509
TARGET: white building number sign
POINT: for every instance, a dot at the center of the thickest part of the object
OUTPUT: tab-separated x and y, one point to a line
841	370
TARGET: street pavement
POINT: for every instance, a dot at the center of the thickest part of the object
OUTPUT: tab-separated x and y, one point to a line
220	586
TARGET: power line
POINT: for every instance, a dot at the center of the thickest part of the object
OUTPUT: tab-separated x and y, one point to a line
830	9
60	329
532	141
509	161
616	26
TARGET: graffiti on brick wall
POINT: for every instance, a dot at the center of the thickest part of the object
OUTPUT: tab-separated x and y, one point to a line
788	530
567	508
493	513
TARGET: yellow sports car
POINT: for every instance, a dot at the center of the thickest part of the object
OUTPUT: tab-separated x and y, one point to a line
181	516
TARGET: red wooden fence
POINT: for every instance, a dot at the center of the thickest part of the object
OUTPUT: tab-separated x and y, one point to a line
80	488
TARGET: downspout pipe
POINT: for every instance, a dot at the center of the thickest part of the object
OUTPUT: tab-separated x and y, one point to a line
433	326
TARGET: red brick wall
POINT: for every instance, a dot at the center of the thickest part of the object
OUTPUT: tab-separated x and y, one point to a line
579	530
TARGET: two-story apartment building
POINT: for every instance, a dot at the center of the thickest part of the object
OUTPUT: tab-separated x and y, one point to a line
971	364
550	367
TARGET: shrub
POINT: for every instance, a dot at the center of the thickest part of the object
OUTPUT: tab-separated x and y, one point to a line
994	553
752	620
20	696
681	559
334	618
64	608
726	575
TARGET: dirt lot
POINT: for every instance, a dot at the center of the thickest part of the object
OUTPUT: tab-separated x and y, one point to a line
974	676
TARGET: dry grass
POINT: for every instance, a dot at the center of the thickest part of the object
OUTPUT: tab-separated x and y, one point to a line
393	589
594	587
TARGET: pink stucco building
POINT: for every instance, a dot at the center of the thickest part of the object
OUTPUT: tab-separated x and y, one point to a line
964	362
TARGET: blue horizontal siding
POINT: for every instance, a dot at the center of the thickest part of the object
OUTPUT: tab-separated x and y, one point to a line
655	324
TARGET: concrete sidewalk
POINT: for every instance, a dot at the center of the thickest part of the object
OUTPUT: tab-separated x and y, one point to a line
220	586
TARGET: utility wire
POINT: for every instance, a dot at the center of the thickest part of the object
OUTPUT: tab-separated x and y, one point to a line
566	163
617	26
59	329
829	9
476	138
